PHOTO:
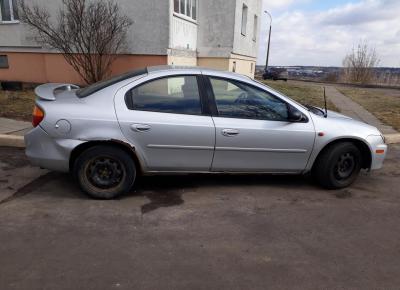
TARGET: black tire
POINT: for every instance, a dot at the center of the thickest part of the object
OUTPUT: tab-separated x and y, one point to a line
105	172
338	166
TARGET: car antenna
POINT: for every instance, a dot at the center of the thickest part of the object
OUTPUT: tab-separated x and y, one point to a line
326	106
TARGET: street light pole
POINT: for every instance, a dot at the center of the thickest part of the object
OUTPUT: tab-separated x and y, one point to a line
269	39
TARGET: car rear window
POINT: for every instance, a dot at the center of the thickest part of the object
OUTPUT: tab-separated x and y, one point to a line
89	90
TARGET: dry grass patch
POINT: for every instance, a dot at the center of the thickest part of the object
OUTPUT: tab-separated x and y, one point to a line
17	105
304	93
384	104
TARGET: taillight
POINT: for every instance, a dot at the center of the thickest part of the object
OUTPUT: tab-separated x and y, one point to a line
37	116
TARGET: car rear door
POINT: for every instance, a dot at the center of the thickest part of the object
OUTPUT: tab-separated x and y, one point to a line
253	133
164	117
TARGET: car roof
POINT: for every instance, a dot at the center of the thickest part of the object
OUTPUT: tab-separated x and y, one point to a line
203	70
85	92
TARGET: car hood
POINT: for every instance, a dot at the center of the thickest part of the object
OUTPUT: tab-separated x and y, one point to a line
333	114
340	125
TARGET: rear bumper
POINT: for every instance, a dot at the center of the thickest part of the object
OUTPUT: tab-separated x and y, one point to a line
44	151
377	147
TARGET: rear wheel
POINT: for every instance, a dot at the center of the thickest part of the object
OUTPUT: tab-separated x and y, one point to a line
105	172
338	166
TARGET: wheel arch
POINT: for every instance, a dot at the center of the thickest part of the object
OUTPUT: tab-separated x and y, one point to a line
360	144
115	143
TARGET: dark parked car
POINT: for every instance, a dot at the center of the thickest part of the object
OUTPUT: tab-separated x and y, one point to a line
275	74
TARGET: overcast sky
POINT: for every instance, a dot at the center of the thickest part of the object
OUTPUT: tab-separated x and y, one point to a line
321	32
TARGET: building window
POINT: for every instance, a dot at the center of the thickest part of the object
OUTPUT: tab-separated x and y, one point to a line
234	66
8	10
186	7
194	9
244	19
181	6
176	6
255	28
4	61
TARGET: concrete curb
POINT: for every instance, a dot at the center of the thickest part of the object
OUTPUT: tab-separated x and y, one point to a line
12	141
392	138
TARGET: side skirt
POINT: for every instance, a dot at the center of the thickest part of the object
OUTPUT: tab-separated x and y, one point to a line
150	173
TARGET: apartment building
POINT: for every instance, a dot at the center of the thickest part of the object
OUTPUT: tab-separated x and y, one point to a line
221	34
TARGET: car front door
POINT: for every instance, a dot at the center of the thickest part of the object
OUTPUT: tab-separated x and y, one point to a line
253	131
163	118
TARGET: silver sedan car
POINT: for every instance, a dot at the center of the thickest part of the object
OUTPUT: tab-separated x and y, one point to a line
192	120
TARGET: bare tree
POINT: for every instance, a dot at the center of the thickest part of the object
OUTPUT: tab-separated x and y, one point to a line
88	33
359	64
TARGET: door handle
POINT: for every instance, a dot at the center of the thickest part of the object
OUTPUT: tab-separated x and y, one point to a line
140	127
230	132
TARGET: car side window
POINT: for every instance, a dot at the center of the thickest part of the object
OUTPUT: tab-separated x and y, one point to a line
238	100
177	95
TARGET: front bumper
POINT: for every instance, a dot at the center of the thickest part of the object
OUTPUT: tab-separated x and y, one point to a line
44	151
378	151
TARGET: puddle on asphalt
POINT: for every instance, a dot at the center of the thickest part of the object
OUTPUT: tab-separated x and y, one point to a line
11	158
161	199
28	188
344	194
165	191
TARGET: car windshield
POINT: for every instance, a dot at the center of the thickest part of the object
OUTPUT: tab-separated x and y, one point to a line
89	90
316	110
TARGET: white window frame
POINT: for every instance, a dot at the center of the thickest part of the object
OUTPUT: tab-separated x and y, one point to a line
245	12
187	14
13	20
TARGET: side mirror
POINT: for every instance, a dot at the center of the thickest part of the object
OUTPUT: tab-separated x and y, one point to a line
295	115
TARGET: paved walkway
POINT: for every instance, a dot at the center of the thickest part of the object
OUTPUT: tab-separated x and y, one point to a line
352	109
13	127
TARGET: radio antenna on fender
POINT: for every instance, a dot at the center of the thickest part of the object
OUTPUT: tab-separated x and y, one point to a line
325	103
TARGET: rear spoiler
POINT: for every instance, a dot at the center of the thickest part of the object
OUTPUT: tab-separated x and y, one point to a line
49	92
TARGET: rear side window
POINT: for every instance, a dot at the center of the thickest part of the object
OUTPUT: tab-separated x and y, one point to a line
176	95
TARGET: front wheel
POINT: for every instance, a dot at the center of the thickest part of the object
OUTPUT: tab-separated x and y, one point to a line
105	172
338	166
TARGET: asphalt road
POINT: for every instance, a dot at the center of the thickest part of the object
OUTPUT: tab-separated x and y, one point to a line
199	232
